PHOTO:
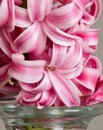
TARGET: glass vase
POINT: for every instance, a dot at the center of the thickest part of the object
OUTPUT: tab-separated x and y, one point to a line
16	117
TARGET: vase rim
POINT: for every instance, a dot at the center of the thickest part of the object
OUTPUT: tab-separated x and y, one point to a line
8	106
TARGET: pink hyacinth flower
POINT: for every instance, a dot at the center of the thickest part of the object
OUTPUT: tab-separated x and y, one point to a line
56	73
7	19
92	10
46	98
97	96
89	77
89	38
6	51
44	21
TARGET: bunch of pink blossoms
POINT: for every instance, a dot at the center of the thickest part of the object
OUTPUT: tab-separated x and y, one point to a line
46	52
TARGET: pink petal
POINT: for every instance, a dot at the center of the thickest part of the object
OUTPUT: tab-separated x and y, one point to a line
94	62
60	16
44	85
64	1
32	39
38	9
58	102
4	76
49	4
15	33
6	44
18	2
73	57
47	99
96	9
7	19
92	12
56	35
27	99
87	80
21	17
26	71
4	59
10	90
83	3
58	55
90	75
90	40
97	96
71	72
64	89
11	20
87	19
93	7
4	16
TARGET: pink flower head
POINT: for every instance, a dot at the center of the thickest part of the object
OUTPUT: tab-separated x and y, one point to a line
57	73
47	20
46	49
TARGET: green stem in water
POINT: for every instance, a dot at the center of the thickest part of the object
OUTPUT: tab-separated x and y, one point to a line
34	128
28	127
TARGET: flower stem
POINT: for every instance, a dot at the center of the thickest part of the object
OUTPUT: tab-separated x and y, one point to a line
28	127
34	128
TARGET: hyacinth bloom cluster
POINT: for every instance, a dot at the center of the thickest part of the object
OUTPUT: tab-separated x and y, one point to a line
46	52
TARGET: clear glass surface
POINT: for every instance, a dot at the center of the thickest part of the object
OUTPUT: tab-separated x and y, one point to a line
17	117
